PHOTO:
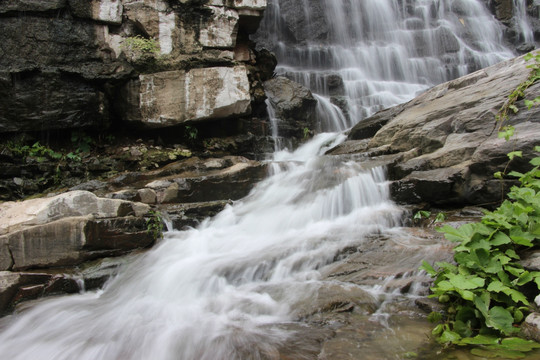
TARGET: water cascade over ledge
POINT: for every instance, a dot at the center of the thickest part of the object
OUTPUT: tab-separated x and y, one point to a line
363	56
226	289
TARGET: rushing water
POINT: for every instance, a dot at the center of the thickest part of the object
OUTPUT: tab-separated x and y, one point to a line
372	54
221	291
213	292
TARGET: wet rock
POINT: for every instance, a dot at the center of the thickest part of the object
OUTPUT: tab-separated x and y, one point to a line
69	228
147	196
185	215
294	106
451	144
231	183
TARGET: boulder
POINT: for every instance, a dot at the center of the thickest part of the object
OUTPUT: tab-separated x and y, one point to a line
174	97
293	104
68	229
531	327
449	136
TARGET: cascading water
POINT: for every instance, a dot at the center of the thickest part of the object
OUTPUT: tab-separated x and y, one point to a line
225	289
217	292
367	55
522	24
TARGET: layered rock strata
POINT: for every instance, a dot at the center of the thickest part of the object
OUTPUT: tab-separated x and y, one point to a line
443	146
63	63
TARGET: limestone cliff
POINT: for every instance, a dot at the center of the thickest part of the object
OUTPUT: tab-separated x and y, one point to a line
68	64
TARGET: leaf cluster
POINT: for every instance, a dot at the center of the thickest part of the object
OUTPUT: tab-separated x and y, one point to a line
37	151
154	225
487	291
138	46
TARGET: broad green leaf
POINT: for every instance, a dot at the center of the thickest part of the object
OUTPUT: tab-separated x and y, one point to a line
481	340
463	329
449	337
466	294
463	234
519	344
496	286
535	161
500	319
500	238
482	304
445	285
514	270
437	330
467	282
513	154
520	237
525	278
428	268
497	353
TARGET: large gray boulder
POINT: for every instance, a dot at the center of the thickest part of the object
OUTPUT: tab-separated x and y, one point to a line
443	148
67	229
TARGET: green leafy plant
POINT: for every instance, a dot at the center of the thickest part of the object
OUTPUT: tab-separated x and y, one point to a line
138	46
154	225
81	141
191	132
37	151
487	291
307	132
506	131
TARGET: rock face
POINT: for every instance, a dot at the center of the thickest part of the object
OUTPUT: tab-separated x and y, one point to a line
172	97
64	62
61	232
294	106
442	147
69	228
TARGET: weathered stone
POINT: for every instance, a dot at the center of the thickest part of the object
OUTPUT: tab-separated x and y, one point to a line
173	97
294	106
221	31
147	196
531	327
71	204
109	11
157	21
248	4
231	183
31	5
449	133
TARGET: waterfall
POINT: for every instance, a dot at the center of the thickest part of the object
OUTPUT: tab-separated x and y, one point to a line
227	289
222	290
522	23
377	53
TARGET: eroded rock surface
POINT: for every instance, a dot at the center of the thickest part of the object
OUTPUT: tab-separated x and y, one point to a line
442	147
82	53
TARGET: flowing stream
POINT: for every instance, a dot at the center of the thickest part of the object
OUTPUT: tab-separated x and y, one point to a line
225	289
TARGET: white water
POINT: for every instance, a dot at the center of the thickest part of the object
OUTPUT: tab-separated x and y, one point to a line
384	51
522	23
214	292
222	290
